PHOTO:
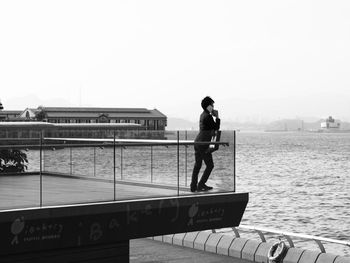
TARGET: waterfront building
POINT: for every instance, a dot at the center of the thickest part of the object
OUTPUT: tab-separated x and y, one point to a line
9	115
83	122
147	119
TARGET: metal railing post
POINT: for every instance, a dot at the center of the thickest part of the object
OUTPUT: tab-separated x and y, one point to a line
114	179
235	230
121	162
261	235
186	159
234	161
320	245
290	241
94	160
151	164
41	168
178	163
71	160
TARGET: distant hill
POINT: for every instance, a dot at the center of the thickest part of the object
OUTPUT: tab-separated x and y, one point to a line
175	124
299	125
182	124
243	126
291	125
280	125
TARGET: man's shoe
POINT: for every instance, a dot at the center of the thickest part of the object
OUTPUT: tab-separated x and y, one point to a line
193	188
204	187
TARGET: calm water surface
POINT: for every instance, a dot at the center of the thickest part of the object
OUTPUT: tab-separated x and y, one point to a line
298	182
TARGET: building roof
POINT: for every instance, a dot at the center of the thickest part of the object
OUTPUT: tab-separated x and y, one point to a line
38	124
87	112
10	112
96	125
28	112
91	109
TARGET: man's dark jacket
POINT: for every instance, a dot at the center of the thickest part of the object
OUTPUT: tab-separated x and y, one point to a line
207	128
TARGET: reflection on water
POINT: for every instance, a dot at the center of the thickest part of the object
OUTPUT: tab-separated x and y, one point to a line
298	182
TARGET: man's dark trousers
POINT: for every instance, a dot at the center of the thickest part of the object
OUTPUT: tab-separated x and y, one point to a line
201	156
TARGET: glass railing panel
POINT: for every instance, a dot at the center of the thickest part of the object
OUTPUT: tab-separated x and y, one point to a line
77	171
101	158
224	163
165	165
57	160
20	170
134	163
146	168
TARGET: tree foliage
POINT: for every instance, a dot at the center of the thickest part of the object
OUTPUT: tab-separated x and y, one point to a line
40	115
13	160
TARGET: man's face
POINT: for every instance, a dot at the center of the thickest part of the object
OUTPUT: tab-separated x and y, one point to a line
210	108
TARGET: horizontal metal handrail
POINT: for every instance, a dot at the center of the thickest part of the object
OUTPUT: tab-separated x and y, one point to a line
110	144
261	230
20	139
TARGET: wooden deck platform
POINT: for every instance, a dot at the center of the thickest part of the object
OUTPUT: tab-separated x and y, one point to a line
23	191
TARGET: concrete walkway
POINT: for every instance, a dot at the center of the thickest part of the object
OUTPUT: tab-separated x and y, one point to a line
150	251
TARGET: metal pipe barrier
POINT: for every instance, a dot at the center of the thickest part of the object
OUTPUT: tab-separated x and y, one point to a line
262	231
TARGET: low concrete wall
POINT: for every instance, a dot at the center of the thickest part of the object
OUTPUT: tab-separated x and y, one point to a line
248	250
293	255
190	238
225	244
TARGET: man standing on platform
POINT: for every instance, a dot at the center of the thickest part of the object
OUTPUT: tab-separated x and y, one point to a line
207	128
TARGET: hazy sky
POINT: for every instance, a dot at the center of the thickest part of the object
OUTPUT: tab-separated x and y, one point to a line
257	59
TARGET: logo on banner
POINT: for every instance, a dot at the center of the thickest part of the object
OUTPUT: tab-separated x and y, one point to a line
192	212
199	215
16	228
30	232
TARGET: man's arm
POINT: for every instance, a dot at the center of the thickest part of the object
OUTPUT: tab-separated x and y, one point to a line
210	123
217	121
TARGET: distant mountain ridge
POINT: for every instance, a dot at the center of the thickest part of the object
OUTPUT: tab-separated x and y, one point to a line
279	125
181	124
300	125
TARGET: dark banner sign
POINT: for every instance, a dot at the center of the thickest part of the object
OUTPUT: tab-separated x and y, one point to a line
107	223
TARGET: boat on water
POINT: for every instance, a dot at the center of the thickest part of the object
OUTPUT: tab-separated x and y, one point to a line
330	124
